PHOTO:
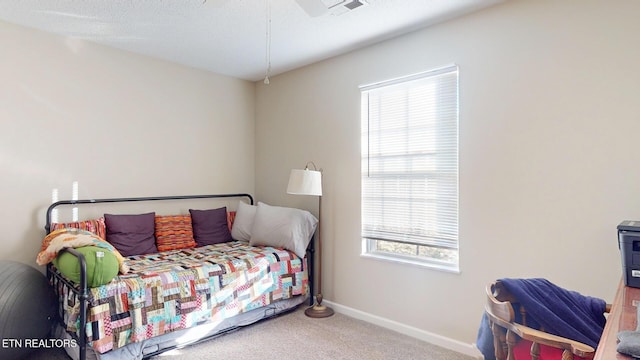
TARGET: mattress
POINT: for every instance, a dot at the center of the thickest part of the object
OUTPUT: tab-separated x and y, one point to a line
180	289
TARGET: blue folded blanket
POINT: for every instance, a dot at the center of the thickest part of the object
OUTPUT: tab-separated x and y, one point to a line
558	311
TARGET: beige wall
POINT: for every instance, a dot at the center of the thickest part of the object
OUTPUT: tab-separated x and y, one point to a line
120	124
548	155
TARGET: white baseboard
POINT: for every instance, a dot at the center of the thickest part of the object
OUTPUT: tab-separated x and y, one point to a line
439	340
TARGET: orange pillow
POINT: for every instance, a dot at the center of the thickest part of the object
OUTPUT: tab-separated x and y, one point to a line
174	232
231	217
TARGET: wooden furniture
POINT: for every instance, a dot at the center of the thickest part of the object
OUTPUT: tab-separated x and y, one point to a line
623	316
508	334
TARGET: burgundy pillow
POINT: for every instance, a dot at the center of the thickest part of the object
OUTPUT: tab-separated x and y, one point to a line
210	226
132	234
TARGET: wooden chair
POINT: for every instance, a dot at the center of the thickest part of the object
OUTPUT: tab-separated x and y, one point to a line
514	341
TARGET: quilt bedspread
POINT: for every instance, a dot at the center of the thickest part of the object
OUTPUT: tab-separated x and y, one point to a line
179	289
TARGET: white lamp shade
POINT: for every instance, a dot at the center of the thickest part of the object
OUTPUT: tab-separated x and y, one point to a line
305	182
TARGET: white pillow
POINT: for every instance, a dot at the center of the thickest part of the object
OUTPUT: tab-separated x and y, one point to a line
242	224
283	227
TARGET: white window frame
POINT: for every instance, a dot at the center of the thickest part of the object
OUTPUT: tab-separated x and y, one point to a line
410	169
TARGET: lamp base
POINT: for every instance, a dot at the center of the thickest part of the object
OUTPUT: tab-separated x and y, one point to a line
319	311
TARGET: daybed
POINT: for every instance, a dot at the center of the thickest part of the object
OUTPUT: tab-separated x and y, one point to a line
179	286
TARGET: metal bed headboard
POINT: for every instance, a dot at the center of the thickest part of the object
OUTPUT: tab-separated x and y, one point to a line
47	226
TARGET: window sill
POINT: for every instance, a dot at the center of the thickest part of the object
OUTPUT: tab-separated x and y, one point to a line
405	261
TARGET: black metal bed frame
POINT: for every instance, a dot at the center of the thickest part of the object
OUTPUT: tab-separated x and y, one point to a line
82	290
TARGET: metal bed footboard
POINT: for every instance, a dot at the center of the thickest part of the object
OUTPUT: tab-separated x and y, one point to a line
82	290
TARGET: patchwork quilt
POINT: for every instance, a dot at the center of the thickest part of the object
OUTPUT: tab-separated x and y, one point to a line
179	289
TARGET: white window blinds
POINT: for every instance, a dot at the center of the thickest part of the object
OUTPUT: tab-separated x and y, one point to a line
410	160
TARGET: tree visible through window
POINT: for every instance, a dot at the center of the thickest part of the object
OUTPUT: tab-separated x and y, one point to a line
410	168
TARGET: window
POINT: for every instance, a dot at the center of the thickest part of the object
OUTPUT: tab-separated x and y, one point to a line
410	169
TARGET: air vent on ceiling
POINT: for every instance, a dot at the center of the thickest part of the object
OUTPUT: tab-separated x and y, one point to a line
335	7
353	4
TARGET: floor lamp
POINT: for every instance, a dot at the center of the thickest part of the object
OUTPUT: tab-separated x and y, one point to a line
309	182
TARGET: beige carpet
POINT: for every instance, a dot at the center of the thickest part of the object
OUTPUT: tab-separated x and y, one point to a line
294	336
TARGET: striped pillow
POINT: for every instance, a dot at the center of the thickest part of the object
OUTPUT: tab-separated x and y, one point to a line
174	232
95	226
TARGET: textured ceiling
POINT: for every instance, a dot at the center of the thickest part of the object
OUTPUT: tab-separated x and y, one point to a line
230	36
